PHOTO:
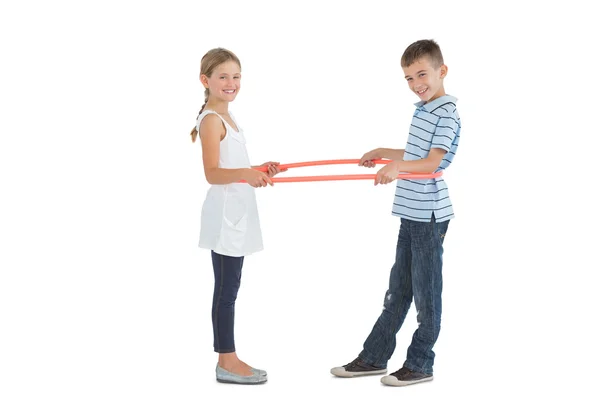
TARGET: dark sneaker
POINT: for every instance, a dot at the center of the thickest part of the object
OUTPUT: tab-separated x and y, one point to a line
357	368
405	376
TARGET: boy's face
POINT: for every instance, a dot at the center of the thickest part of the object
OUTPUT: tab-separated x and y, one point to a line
424	80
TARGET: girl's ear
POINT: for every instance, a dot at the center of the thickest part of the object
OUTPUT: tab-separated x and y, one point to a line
204	80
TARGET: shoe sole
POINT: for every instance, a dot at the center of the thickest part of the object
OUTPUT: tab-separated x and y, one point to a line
395	382
346	374
241	383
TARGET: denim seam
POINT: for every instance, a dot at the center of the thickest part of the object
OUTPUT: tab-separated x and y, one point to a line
432	288
435	238
432	292
218	303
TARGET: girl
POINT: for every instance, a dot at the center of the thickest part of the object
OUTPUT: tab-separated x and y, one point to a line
230	226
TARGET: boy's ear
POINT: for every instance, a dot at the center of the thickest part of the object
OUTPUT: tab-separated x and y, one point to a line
443	71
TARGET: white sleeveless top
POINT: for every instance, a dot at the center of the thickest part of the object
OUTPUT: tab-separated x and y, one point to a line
229	223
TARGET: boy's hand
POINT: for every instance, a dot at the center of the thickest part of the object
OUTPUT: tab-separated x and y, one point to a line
367	159
387	174
272	168
256	178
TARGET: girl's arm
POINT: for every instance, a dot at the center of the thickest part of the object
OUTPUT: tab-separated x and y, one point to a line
212	132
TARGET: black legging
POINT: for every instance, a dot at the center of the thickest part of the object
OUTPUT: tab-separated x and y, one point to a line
228	273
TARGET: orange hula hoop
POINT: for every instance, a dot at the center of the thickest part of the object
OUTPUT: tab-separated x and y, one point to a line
318	178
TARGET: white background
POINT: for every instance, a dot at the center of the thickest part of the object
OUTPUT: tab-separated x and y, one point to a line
103	291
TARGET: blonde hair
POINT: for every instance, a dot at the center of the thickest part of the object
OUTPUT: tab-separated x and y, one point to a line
211	60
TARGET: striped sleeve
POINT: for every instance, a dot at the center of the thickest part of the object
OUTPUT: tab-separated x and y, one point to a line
445	131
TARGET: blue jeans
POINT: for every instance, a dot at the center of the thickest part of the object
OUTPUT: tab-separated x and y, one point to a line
228	274
416	273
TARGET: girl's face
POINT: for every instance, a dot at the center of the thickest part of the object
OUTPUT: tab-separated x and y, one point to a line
224	83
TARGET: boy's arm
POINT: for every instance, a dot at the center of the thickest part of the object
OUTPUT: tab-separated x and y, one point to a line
444	136
426	165
446	131
391	154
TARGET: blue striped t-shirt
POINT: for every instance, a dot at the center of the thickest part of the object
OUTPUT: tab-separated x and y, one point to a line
434	125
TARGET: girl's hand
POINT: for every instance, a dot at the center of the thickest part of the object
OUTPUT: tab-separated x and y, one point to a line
272	168
256	178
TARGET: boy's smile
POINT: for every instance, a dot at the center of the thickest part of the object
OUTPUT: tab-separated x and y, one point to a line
425	80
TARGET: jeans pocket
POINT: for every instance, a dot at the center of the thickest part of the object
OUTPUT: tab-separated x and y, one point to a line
442	229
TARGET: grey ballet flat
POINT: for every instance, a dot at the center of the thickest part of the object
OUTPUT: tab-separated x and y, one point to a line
261	372
256	378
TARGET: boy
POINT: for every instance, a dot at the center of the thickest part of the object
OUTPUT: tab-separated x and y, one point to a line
425	211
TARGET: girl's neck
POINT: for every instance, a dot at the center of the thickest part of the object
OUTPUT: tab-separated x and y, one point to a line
221	107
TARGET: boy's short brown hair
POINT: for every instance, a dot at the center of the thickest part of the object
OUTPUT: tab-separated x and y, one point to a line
420	49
